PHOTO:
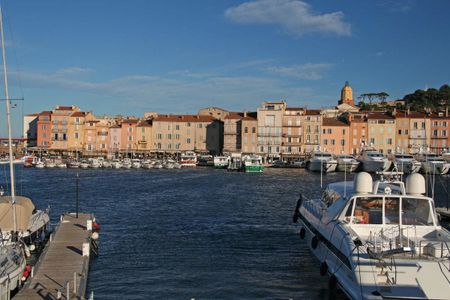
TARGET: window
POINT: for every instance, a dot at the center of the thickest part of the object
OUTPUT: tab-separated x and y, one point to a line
368	211
423	125
435	132
269	120
130	138
143	129
159	136
399	131
416	212
188	141
76	135
343	142
415	125
333	142
188	124
64	137
245	129
372	141
329	131
43	127
177	127
143	138
130	129
389	141
325	142
253	129
177	136
200	125
444	132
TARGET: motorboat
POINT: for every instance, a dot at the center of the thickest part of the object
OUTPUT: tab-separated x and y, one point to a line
146	164
446	156
13	263
50	164
106	164
158	165
346	163
373	161
406	163
84	164
221	162
433	163
135	163
94	163
252	164
39	164
378	240
321	162
279	164
188	159
116	164
126	163
73	164
205	161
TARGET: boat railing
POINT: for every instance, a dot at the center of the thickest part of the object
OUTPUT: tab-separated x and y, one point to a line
393	240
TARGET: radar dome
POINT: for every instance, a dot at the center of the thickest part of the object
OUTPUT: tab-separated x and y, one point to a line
415	184
362	183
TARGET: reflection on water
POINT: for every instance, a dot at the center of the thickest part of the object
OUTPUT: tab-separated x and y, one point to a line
191	233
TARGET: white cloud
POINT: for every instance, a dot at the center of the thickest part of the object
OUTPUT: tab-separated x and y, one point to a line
294	16
169	93
73	70
307	71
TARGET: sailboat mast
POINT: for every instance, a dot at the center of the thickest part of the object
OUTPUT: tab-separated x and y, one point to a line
8	117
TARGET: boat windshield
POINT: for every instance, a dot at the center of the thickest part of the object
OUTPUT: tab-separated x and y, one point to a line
388	210
374	155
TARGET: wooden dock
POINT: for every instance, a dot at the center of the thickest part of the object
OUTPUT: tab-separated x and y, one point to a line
62	270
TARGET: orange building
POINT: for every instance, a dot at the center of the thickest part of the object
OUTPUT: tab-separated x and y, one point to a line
44	130
335	136
358	131
312	123
440	132
128	140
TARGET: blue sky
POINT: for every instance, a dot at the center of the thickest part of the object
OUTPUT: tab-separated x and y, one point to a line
127	57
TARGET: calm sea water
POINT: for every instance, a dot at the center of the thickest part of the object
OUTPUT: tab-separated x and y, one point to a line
192	233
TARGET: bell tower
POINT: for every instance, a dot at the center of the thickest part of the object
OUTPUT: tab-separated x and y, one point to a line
347	95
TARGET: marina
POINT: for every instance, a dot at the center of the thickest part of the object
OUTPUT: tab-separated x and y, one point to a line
62	271
190	234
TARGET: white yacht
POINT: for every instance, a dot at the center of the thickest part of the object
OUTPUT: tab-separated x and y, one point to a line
321	162
12	267
406	163
84	164
221	162
346	163
378	240
135	163
94	163
126	163
188	159
373	161
433	163
116	164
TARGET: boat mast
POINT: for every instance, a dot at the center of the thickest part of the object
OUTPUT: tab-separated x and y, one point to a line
8	117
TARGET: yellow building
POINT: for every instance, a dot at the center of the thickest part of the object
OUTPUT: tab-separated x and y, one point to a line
381	127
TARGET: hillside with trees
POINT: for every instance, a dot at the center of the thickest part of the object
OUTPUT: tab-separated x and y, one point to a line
431	98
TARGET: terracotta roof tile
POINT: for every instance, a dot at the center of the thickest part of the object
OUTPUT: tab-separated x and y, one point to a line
333	122
183	118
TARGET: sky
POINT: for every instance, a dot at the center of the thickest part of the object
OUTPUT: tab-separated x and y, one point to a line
127	57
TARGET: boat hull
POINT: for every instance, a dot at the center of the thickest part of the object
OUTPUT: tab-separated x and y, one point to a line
322	166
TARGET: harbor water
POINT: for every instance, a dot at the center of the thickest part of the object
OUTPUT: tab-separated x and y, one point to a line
192	233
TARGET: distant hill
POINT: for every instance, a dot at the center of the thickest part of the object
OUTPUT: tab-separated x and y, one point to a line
431	98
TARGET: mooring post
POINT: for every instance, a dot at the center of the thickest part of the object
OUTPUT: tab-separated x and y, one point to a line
68	290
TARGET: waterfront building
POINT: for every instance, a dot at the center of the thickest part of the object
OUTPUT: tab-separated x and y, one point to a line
270	123
249	124
232	132
419	135
175	133
292	132
75	131
128	141
44	130
102	136
90	135
60	126
401	131
335	136
30	130
381	128
358	131
115	133
440	132
144	135
312	124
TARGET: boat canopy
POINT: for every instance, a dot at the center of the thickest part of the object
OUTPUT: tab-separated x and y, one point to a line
24	211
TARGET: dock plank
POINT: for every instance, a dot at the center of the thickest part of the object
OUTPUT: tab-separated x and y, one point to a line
62	259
